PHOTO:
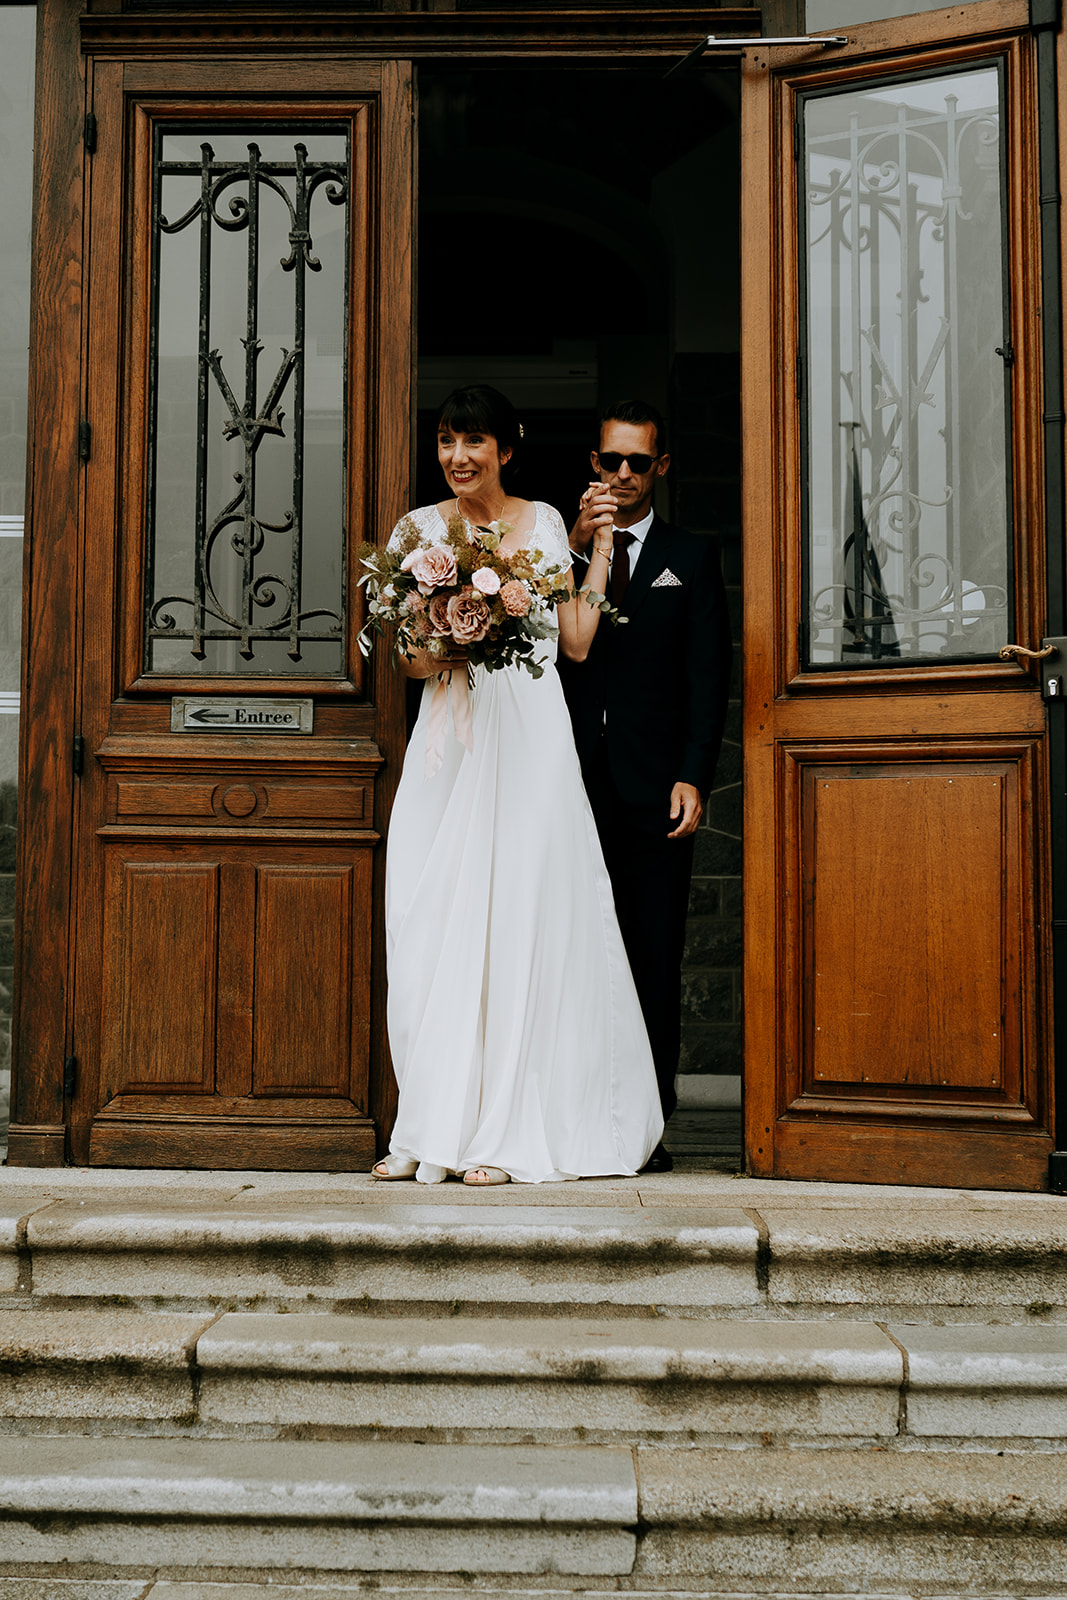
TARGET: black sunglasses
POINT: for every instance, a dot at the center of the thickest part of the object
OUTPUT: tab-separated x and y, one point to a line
611	461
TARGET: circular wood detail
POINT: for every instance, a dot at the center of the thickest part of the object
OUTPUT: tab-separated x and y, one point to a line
240	801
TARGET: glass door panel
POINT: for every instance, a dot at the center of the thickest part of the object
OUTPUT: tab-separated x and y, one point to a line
908	535
246	490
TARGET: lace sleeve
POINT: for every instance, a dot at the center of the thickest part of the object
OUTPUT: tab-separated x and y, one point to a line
552	536
420	518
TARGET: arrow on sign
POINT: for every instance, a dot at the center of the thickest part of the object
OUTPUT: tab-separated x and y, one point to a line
204	715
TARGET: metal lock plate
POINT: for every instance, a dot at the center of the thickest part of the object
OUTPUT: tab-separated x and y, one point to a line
1054	669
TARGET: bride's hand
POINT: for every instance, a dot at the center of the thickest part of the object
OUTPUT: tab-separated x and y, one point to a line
425	665
596	518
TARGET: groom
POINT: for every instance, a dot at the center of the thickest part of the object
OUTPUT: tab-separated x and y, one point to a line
648	708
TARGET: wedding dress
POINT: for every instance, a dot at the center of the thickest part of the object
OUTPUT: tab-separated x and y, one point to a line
516	1033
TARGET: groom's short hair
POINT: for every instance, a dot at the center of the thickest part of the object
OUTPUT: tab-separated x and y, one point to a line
638	413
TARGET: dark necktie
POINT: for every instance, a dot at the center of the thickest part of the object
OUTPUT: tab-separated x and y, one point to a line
620	565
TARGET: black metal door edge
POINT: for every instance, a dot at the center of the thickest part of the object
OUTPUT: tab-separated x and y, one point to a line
1044	16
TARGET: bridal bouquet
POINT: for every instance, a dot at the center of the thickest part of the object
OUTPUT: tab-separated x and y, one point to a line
461	593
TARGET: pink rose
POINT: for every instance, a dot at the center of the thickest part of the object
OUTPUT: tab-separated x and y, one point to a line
486	580
440	621
469	616
434	568
516	598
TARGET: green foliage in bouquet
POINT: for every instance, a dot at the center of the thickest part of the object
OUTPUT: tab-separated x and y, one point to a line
461	593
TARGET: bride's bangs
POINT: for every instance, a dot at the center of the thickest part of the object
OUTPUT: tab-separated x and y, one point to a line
461	413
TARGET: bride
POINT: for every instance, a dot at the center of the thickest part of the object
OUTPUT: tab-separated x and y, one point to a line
515	1029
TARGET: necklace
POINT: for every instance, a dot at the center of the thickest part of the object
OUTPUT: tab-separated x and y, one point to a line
467	522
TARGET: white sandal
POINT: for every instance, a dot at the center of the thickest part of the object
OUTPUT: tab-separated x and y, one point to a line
492	1175
394	1167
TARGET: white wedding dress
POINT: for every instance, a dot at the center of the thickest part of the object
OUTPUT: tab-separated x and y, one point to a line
515	1029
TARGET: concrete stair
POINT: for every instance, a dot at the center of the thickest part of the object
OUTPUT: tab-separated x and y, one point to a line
722	1518
432	1255
532	1380
217	1387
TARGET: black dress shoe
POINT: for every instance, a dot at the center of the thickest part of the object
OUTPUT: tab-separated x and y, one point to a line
659	1161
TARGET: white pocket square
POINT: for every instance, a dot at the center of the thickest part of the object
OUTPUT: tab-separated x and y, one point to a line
667	580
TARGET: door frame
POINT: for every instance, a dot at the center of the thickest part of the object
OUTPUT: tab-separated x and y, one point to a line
81	306
67	41
70	43
783	702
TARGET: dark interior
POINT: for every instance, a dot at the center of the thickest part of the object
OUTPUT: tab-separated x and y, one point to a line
578	245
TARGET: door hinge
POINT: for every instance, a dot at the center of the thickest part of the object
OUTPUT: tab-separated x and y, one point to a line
70	1077
85	441
90	133
78	755
1006	353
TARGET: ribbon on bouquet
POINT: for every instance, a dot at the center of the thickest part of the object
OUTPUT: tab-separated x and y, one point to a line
454	685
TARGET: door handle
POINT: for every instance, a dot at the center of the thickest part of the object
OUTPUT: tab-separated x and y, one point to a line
1052	655
1009	650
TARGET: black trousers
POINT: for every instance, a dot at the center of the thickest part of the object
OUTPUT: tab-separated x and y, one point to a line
650	876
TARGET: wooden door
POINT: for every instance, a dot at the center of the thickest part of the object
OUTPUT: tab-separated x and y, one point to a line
898	942
245	256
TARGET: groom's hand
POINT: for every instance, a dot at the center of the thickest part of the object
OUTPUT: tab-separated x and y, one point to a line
596	510
687	804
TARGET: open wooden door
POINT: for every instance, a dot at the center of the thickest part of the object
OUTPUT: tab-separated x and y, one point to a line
897	986
244	424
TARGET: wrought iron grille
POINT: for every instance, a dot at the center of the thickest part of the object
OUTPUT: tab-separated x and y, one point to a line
247	578
908	534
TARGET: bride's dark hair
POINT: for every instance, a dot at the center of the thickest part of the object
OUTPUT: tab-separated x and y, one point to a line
479	408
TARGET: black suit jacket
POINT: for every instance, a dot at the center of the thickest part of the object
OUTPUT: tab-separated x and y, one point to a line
657	685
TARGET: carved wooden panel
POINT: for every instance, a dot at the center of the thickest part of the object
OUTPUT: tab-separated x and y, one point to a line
913	913
336	802
163	798
912	924
911	995
238	798
303	981
237	986
160	944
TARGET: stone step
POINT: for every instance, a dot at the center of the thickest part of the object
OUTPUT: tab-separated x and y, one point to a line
337	1507
189	1511
954	1523
337	1589
334	1589
974	1259
552	1379
553	1255
544	1380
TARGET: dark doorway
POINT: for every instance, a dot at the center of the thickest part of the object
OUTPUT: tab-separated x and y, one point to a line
578	245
